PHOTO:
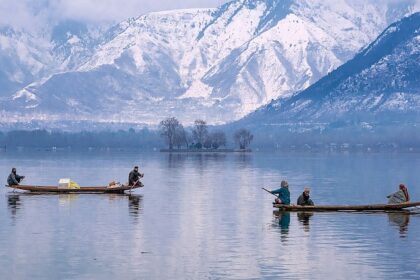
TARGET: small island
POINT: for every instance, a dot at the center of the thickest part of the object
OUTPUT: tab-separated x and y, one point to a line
200	139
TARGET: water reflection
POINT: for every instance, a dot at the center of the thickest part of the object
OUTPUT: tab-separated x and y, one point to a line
116	196
303	218
219	225
401	220
176	160
200	161
283	221
13	204
15	201
67	199
135	205
243	159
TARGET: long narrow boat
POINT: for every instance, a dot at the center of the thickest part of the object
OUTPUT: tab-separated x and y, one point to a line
55	189
367	207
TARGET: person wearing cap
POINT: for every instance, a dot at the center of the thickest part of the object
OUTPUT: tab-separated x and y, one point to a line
14	179
134	177
400	196
304	199
283	194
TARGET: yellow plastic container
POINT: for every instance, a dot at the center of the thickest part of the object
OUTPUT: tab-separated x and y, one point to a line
67	184
74	185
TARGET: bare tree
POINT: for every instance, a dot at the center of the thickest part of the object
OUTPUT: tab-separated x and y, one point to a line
200	132
243	138
169	128
180	137
218	139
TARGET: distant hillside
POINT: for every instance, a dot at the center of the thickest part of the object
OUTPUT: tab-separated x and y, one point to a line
378	88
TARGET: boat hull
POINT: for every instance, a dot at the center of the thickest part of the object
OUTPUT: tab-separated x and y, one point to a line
54	189
369	207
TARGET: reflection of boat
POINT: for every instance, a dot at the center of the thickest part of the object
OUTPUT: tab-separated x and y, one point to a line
55	189
400	219
368	207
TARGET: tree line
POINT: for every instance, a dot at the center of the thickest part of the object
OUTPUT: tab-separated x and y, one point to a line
176	136
143	138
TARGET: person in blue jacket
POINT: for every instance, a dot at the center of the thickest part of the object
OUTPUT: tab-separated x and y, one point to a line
283	194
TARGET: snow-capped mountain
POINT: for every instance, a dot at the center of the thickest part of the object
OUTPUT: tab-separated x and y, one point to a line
216	64
380	85
72	43
27	57
22	59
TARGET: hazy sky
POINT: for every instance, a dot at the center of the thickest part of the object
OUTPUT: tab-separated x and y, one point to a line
35	13
32	14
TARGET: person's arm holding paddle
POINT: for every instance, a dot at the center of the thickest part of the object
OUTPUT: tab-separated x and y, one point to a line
280	194
273	193
283	193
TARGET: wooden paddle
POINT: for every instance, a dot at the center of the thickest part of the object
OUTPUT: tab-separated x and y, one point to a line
269	192
135	183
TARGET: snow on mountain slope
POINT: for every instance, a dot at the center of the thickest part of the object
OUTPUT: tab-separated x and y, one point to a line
171	32
381	84
29	59
312	39
216	64
22	59
72	44
265	68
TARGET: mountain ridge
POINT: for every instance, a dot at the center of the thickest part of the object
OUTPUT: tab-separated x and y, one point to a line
217	64
381	84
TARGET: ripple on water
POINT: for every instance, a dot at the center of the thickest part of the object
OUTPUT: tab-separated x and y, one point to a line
205	217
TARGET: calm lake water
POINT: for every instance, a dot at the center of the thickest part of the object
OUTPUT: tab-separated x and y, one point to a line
204	216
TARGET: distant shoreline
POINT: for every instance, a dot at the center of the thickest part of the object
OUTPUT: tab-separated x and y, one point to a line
205	150
327	149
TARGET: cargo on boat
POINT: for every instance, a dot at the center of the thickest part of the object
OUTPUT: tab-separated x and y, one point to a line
367	207
56	189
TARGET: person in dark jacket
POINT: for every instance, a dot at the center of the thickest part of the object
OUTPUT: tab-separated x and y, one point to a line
134	177
14	179
304	199
283	194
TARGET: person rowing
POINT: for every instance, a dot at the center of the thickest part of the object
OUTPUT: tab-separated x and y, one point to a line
304	199
400	196
283	194
134	177
14	179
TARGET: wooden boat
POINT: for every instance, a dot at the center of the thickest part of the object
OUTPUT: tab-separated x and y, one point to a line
55	189
367	207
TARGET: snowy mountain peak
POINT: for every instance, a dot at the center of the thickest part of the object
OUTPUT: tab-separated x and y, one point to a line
381	84
216	64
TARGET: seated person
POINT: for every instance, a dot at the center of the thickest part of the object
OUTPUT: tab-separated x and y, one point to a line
14	179
283	194
400	196
304	199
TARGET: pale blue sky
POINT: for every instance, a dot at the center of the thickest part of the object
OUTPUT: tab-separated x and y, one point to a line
35	13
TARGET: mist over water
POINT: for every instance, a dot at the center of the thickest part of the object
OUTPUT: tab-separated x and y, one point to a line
205	216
